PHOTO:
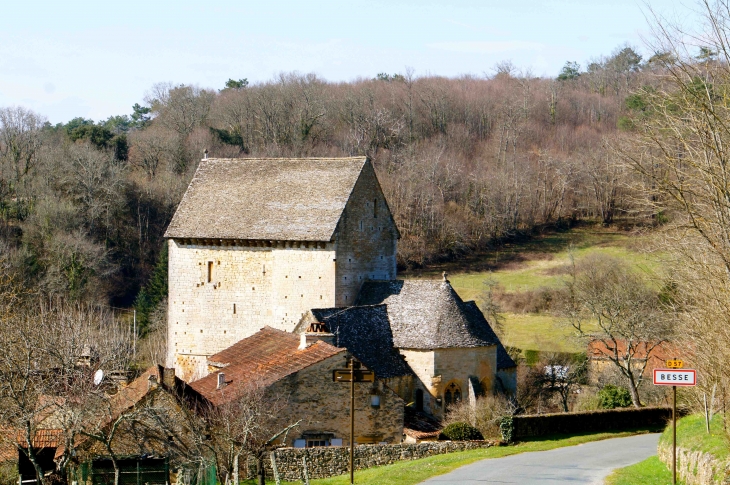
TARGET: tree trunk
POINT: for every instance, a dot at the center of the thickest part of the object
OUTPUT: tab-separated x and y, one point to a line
634	392
235	470
261	471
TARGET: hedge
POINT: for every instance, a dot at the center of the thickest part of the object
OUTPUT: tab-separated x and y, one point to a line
514	428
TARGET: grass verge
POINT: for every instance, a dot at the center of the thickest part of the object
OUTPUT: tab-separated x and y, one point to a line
415	471
692	435
648	472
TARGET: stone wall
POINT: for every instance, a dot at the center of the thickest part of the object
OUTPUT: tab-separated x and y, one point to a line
323	406
330	461
219	295
437	369
366	239
695	467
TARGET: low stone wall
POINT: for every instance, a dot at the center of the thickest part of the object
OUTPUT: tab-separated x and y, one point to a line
696	467
334	460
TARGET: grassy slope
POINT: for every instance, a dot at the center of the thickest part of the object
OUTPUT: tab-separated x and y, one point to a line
692	434
412	472
648	472
534	264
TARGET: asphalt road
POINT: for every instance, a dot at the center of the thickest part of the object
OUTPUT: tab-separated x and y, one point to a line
587	463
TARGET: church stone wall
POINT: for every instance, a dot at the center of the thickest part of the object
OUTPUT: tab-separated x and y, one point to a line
219	295
366	239
436	369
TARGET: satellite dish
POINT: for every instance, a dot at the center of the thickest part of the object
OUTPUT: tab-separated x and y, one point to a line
98	376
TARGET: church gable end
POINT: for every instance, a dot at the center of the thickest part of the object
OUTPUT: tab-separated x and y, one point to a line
366	238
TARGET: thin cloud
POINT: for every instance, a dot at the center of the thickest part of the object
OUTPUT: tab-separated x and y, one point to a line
487	47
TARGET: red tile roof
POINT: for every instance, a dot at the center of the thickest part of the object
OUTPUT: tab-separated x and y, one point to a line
597	349
261	359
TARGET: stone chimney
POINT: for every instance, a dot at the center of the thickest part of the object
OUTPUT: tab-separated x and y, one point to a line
446	276
168	377
205	154
316	331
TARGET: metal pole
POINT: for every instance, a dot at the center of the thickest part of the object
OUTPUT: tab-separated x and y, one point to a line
674	435
352	421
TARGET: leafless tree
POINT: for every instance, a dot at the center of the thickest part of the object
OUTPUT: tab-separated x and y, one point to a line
611	305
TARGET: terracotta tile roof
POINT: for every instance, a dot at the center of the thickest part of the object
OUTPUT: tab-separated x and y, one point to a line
290	199
419	425
261	359
598	350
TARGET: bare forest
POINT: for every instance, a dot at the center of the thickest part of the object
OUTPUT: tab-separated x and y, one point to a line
464	163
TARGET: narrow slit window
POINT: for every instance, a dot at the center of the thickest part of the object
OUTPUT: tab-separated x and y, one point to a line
234	308
210	271
375	208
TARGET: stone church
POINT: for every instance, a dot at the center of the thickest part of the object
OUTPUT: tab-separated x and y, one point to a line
309	246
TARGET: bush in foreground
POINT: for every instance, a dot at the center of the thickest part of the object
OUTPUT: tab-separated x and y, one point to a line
461	432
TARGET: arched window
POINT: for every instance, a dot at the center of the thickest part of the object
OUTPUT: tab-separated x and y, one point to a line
452	394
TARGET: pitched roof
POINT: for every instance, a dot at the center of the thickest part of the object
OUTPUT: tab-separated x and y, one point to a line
261	359
428	314
365	332
290	199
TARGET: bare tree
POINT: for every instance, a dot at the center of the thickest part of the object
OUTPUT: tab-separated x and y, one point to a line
609	304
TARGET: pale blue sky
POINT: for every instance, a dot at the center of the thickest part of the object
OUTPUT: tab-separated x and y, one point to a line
97	58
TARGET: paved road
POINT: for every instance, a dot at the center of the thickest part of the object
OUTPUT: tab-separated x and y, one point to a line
588	463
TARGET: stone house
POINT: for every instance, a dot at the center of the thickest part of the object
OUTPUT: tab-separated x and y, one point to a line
300	372
258	242
442	349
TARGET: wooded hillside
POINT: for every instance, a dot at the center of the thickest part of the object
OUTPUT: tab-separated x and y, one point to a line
464	162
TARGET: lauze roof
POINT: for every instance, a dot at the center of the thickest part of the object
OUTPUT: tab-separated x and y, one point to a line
289	199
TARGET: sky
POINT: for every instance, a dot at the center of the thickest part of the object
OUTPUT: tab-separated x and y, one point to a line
95	59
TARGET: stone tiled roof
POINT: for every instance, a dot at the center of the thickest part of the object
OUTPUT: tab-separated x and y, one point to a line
261	359
289	199
504	361
428	314
365	332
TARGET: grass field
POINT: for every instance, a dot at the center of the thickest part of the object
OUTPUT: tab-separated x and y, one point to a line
541	262
648	472
415	471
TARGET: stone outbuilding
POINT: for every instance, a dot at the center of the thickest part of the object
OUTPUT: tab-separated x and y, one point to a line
301	372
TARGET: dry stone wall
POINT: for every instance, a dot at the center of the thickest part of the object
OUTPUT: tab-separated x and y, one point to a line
330	461
696	467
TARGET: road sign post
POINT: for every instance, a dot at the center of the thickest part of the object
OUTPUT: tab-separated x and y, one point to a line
352	374
675	376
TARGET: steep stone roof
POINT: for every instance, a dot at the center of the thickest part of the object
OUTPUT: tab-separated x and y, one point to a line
289	199
428	314
365	332
504	361
261	359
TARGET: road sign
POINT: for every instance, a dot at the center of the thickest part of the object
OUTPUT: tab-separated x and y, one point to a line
345	375
672	377
675	364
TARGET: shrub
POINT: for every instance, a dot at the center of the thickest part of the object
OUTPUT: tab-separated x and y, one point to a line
461	432
485	414
611	397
